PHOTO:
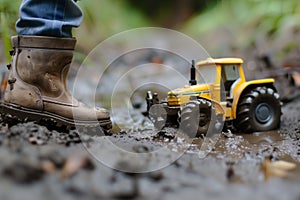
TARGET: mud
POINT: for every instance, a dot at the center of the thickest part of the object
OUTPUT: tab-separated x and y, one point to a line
37	163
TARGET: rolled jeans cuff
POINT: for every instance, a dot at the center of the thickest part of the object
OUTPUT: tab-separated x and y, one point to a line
48	18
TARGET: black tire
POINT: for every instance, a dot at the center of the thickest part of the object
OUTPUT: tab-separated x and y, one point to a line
194	124
188	117
158	116
258	110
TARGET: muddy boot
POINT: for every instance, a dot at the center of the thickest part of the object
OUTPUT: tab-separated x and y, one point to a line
37	88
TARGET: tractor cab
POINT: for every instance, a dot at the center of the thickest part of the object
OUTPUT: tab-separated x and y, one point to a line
227	76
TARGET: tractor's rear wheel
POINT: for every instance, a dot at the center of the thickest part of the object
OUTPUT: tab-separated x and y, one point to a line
196	117
259	110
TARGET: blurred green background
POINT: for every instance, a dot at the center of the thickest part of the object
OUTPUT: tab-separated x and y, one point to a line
225	28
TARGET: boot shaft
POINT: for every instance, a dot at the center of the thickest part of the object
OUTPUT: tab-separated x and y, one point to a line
37	88
43	62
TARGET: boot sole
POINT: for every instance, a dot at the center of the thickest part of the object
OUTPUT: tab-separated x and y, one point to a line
13	114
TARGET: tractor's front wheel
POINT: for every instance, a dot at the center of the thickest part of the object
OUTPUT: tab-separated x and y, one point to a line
259	110
196	117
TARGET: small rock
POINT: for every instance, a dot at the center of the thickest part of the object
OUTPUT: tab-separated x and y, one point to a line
36	141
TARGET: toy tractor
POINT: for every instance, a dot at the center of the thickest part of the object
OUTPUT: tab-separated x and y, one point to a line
221	96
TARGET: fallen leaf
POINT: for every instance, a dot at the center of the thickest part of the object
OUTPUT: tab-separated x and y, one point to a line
74	163
48	166
283	165
276	168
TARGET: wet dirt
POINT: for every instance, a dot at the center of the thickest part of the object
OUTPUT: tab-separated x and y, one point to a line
37	163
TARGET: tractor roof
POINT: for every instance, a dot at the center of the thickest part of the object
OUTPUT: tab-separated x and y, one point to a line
212	61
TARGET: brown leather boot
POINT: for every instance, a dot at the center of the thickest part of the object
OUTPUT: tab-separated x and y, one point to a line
37	88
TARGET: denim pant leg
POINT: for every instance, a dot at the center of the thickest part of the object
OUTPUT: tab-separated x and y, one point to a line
48	18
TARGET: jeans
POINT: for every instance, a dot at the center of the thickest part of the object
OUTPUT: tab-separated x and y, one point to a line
48	18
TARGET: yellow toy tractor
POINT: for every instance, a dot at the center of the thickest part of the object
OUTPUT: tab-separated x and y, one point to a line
218	94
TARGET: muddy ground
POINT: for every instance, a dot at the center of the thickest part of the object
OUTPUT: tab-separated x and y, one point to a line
40	164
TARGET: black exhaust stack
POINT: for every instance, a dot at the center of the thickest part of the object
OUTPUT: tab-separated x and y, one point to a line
193	80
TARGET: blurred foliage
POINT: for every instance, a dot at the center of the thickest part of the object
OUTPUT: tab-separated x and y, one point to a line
267	16
171	13
11	10
103	18
9	14
218	22
5	36
248	22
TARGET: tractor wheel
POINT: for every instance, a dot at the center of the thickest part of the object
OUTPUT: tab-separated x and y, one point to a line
158	116
196	117
188	117
259	110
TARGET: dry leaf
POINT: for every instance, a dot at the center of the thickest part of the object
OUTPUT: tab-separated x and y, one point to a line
283	165
48	166
74	163
277	168
296	77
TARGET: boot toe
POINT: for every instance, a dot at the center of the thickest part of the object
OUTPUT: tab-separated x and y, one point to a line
102	113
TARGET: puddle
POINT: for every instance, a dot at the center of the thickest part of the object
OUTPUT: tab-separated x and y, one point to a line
257	138
224	146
